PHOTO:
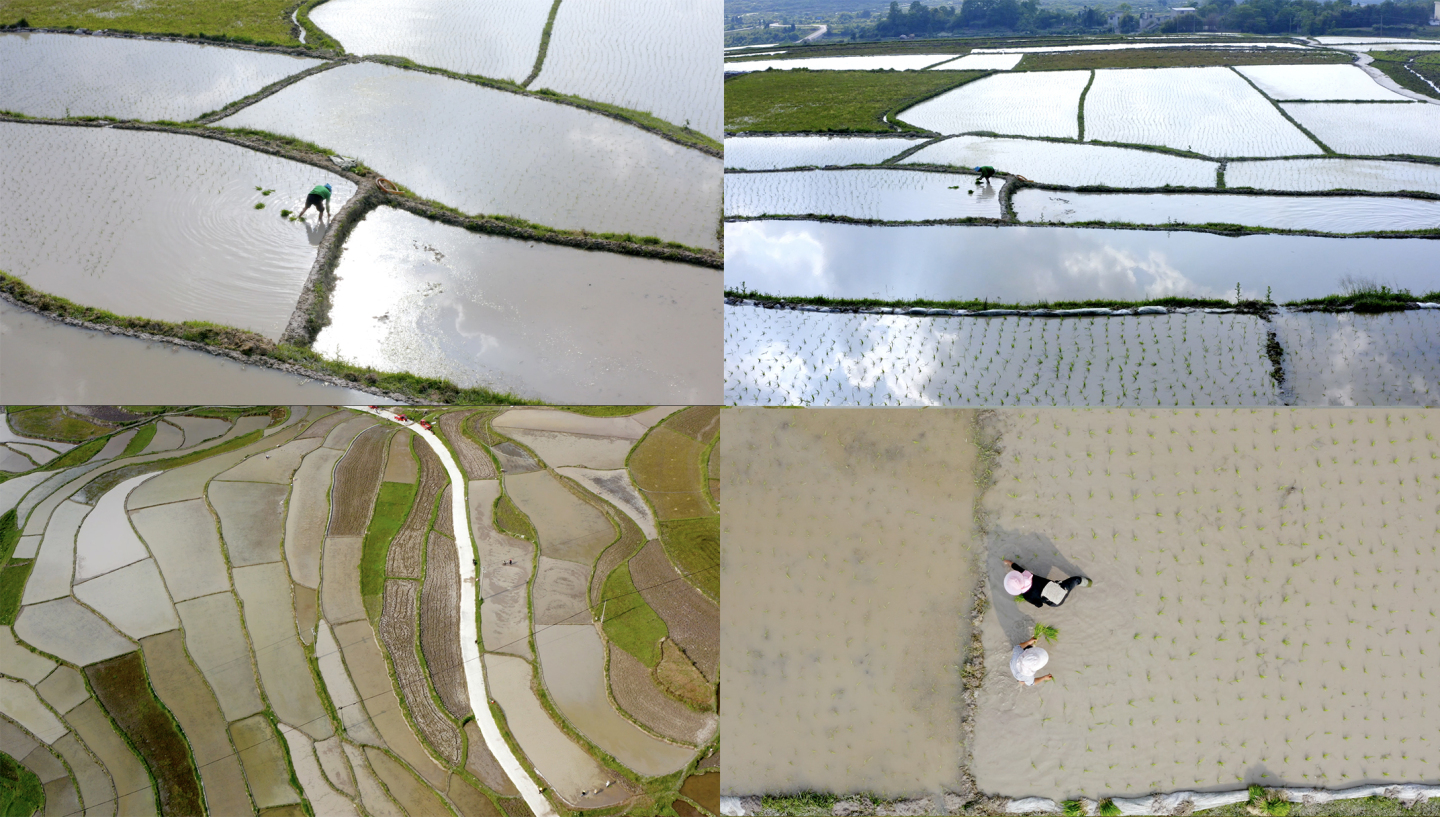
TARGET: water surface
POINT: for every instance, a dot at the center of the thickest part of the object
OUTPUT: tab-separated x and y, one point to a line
1028	264
553	322
59	75
1330	214
490	152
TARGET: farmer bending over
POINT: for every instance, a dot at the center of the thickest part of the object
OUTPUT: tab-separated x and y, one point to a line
318	198
1040	592
1026	660
985	171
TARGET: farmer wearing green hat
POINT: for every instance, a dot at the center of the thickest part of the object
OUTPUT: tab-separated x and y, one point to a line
318	198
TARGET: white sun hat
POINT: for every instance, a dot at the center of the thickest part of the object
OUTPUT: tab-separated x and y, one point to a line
1024	663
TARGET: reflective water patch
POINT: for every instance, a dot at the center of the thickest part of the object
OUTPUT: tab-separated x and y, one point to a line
881	195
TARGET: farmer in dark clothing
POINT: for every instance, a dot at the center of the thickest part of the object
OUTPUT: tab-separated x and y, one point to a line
985	171
1040	592
318	198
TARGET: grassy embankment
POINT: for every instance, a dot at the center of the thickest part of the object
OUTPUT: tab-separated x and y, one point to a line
54	423
1174	58
391	508
977	304
1426	63
1367	298
830	101
12	574
264	22
694	544
510	519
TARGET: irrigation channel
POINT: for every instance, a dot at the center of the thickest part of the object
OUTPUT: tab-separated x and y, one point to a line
469	649
187	219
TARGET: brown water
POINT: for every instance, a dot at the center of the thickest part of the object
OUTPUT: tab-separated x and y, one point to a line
847	577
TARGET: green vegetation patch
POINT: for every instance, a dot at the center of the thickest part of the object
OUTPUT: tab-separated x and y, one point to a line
391	508
124	690
512	520
1367	298
76	456
830	101
629	621
694	545
9	535
265	22
800	803
1175	57
141	439
54	423
12	588
20	791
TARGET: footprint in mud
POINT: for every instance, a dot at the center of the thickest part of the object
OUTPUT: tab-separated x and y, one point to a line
432	288
383	318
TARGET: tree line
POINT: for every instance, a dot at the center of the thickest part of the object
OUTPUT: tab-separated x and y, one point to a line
1308	17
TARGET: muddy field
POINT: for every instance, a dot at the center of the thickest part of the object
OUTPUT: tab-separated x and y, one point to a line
440	625
1251	568
407	548
481	763
216	641
127	774
842	674
694	620
340	593
121	686
397	630
184	541
264	592
568	527
183	691
252	516
309	514
505	609
357	481
636	693
400	463
631	540
473	460
323	425
264	761
559	592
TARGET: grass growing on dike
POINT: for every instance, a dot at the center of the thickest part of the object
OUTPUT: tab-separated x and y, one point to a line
1398	66
1174	58
391	508
831	101
54	423
12	574
1367	297
20	791
141	439
510	519
629	621
974	305
252	21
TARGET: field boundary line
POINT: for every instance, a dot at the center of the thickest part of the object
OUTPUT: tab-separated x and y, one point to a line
264	93
1080	109
1283	112
544	45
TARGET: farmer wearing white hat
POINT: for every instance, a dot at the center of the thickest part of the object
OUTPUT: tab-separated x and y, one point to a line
1026	660
1040	592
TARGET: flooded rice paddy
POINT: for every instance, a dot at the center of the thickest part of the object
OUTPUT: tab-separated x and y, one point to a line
1041	103
982	62
537	319
1316	82
158	224
1069	163
1332	214
783	357
1372	130
1028	264
1335	174
880	195
777	152
486	151
1361	360
453	34
59	75
882	62
840	656
659	56
572	663
1209	110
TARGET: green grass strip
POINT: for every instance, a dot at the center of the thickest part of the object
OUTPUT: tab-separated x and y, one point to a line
802	101
1080	109
391	508
9	535
544	45
141	439
605	411
1368	299
12	587
979	304
76	456
629	621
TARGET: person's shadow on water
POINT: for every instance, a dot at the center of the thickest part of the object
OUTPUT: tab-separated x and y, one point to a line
1039	556
315	232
